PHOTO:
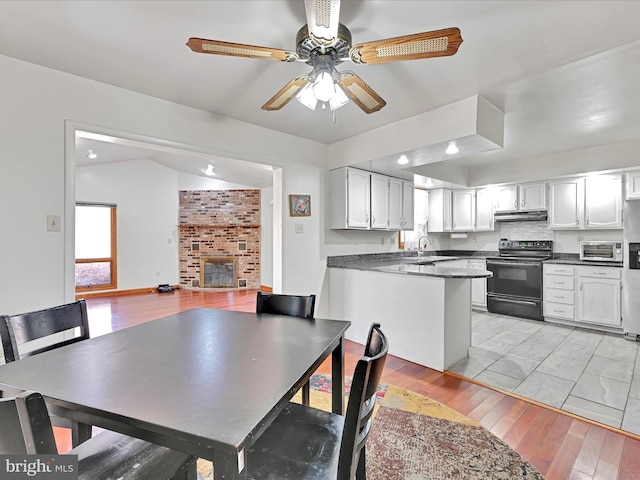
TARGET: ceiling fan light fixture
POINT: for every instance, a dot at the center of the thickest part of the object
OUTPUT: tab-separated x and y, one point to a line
339	99
307	98
324	88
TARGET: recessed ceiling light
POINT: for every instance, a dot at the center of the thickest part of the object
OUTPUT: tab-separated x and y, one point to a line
209	170
403	160
92	155
452	149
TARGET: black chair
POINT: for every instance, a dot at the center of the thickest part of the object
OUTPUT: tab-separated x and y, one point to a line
306	443
294	305
26	430
51	328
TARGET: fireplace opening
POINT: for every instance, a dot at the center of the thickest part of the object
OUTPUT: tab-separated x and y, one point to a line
218	272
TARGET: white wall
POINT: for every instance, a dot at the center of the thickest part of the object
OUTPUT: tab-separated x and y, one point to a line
39	105
266	237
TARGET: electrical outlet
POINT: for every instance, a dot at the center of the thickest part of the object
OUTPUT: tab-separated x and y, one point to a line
381	240
298	228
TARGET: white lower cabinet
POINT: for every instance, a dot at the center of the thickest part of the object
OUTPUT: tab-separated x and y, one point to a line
599	295
584	294
478	286
558	297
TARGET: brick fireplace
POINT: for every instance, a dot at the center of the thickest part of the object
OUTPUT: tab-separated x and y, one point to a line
219	238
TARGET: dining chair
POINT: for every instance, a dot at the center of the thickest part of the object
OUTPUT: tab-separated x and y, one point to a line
303	442
26	430
294	305
31	333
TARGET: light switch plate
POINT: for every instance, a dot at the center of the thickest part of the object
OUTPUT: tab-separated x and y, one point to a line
53	223
298	228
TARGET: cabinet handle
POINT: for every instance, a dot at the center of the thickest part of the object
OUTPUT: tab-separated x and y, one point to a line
373	219
558	283
558	311
586	219
557	296
515	204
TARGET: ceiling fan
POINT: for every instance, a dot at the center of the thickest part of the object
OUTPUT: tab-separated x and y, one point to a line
324	43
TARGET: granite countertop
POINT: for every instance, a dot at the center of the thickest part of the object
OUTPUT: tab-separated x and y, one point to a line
408	263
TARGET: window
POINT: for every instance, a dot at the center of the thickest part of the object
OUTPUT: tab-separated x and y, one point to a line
95	247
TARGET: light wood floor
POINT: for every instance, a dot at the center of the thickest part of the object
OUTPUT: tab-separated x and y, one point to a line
560	446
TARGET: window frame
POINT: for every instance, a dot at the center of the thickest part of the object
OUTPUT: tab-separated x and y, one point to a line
112	260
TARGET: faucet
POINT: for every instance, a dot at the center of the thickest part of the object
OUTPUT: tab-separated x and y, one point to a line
420	251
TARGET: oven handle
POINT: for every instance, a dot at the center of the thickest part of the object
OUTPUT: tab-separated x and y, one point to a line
513	264
518	302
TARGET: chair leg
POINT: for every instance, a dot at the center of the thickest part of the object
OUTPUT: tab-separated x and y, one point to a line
305	394
361	473
80	432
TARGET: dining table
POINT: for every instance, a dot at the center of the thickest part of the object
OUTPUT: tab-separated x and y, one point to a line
203	381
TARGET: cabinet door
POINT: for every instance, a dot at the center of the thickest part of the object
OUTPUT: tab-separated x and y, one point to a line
507	198
633	185
395	204
566	198
439	210
484	210
533	196
463	210
379	202
599	301
478	285
603	201
358	198
408	191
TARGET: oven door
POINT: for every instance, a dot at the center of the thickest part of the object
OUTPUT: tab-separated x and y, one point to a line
515	278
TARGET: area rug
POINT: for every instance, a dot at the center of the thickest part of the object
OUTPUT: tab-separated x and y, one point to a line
416	438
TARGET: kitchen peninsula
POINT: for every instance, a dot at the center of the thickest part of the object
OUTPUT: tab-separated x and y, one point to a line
423	303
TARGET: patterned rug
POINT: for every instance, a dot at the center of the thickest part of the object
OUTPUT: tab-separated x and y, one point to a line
416	438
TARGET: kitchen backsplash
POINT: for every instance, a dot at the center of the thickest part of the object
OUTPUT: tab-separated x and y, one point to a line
525	231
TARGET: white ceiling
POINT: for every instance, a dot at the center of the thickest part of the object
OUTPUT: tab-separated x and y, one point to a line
566	73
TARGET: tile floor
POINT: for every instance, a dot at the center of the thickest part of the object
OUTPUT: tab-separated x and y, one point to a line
586	372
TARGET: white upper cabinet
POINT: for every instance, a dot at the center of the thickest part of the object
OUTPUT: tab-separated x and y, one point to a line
566	198
603	201
379	202
593	202
506	198
633	185
439	210
521	198
484	209
532	196
408	202
395	204
364	200
463	211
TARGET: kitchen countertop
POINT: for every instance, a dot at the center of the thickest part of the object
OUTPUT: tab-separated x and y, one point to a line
426	265
574	259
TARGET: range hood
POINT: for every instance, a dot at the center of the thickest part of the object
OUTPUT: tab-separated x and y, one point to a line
537	216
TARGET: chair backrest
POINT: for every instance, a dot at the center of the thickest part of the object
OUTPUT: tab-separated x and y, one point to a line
294	305
26	427
43	328
362	400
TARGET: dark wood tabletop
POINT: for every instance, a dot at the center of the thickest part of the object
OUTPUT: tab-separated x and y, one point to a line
206	382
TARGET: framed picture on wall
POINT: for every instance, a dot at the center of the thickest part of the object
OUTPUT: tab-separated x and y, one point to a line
300	205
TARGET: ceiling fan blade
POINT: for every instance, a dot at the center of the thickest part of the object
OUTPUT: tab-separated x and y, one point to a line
322	20
360	93
438	43
289	91
217	47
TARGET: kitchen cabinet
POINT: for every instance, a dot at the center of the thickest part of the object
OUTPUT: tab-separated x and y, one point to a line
379	202
463	210
362	200
598	295
484	210
350	198
593	202
559	291
566	198
408	194
521	198
603	201
439	210
478	286
633	185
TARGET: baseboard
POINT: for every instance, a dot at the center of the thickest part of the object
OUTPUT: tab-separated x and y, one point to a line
266	289
118	293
